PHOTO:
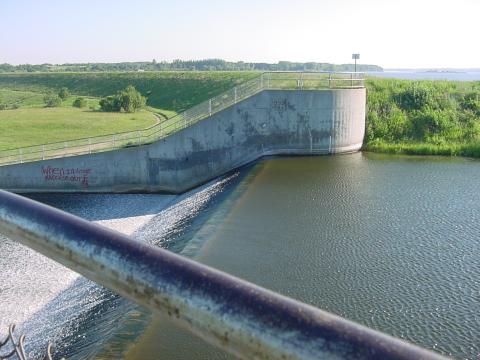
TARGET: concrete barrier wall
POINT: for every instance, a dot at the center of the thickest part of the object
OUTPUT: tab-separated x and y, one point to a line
273	122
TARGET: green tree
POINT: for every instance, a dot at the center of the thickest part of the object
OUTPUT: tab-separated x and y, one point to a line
52	100
80	102
128	100
64	93
131	100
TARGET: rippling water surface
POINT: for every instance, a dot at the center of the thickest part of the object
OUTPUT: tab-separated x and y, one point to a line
390	242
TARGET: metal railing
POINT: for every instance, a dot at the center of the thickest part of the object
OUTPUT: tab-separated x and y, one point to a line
266	81
18	346
245	320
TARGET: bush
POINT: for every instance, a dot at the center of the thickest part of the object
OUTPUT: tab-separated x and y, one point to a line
129	100
110	104
415	97
3	106
80	102
471	101
52	100
437	114
64	93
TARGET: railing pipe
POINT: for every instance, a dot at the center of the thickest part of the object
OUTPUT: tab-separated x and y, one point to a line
239	317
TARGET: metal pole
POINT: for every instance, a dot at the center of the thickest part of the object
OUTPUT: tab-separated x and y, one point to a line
89	145
235	95
239	317
21	156
43	152
210	107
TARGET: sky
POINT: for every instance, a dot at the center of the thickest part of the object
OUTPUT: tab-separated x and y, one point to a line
392	34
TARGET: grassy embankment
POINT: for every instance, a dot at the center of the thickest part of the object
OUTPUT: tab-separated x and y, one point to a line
167	93
423	117
31	123
409	117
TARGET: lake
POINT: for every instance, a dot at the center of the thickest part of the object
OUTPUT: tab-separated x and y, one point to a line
428	75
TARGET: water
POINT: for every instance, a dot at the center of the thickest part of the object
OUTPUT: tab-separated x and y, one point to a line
428	75
52	303
390	242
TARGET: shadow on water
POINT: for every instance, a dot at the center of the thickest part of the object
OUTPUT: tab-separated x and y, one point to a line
83	317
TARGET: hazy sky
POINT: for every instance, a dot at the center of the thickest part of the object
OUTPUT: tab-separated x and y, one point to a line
407	33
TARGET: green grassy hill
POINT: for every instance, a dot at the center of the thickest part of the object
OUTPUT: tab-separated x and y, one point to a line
175	91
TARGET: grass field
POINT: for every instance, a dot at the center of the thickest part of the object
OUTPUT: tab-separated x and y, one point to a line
31	125
173	91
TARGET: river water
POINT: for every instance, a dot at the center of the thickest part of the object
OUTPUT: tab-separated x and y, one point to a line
391	242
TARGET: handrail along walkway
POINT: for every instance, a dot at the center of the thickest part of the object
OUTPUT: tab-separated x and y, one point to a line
266	81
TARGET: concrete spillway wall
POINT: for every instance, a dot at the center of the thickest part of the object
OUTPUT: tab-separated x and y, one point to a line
272	122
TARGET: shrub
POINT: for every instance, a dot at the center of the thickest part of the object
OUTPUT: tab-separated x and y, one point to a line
52	100
80	102
415	97
3	106
471	101
129	100
64	93
110	104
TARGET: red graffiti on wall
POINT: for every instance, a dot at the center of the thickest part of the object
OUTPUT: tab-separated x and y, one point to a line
79	175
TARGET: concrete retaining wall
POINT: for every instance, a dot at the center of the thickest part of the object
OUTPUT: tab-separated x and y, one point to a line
272	122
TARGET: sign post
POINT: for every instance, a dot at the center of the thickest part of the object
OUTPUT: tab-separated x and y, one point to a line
355	57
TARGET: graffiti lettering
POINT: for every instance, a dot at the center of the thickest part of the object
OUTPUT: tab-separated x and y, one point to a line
79	175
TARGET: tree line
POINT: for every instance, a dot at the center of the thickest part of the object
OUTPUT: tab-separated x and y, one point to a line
188	65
